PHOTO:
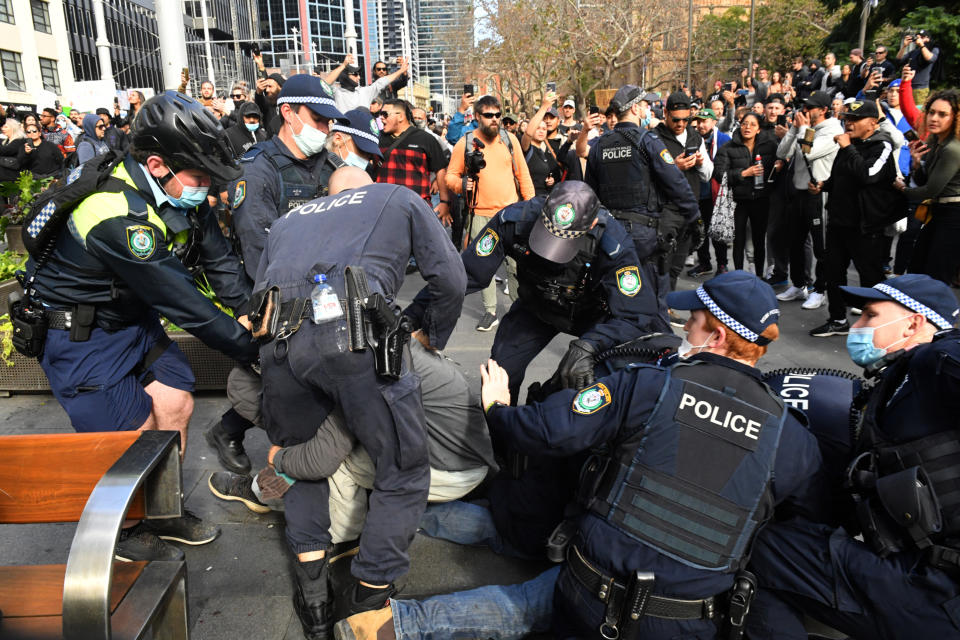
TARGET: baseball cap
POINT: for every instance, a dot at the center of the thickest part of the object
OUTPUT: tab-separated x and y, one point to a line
360	125
312	92
706	114
856	52
862	109
569	103
567	213
894	84
775	97
740	300
820	99
351	70
678	100
916	291
626	96
508	116
552	112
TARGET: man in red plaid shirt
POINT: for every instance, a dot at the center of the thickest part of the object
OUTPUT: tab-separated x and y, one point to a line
410	155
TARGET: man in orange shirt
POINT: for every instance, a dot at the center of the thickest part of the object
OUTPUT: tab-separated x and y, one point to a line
503	181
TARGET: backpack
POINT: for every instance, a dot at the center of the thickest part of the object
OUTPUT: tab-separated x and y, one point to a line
505	136
51	209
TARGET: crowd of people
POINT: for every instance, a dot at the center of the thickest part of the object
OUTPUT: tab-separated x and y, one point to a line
680	491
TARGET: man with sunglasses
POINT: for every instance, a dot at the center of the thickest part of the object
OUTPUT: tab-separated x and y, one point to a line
349	94
392	91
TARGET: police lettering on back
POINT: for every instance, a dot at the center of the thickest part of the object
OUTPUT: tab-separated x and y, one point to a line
795	390
614	154
320	206
706	415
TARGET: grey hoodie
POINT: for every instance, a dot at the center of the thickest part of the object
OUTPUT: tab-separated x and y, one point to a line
90	145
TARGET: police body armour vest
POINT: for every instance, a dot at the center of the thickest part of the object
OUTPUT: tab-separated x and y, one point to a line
626	184
694	482
297	186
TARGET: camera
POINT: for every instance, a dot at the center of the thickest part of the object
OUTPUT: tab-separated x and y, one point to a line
474	161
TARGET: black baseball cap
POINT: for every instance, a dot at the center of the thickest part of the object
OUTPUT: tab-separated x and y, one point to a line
820	99
678	101
861	109
567	213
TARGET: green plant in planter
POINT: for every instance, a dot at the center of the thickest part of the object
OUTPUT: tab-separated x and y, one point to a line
21	193
6	340
10	263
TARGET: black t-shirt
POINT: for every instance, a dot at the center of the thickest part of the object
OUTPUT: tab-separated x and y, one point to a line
541	164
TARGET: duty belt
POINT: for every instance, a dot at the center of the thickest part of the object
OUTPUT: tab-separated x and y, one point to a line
948	200
608	589
636	218
57	319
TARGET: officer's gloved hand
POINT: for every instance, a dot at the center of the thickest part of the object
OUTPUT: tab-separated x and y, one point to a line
576	367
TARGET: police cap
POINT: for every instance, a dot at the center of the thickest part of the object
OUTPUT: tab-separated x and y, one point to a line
362	128
740	300
626	96
916	291
567	214
312	92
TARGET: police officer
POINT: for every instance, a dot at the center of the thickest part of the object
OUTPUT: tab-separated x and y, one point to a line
376	227
121	260
578	273
635	175
902	578
696	455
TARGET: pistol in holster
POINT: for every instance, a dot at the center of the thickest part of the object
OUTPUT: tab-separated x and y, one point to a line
373	322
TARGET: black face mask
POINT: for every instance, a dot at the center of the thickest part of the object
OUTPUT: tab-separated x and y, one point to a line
237	103
347	83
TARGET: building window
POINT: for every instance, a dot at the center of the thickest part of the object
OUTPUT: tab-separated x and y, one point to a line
48	71
41	16
12	71
6	11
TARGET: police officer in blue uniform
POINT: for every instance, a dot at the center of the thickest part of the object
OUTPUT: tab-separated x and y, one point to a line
902	579
578	273
635	176
376	227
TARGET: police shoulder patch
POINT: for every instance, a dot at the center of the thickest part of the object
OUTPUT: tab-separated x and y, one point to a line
628	280
239	193
141	241
666	157
591	399
487	243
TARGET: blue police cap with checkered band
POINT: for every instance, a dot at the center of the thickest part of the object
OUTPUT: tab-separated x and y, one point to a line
568	213
312	92
740	300
916	291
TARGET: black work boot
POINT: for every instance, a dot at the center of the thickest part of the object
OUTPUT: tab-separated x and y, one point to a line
229	448
312	598
357	598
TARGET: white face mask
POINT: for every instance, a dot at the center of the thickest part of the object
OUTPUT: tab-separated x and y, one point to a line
310	140
685	349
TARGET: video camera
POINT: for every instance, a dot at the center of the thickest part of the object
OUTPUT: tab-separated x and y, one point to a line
474	162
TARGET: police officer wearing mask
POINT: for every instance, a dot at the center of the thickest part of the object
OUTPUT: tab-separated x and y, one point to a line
903	477
578	274
635	175
703	436
124	258
376	227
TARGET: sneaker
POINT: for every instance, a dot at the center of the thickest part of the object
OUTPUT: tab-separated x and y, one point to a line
369	625
690	261
233	486
831	328
721	269
229	450
793	293
676	320
815	300
776	281
699	271
136	544
487	322
347	603
341	550
188	529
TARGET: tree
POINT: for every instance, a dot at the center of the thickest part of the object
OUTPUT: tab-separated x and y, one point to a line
944	28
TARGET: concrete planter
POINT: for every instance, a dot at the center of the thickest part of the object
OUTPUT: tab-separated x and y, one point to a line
6	288
14	235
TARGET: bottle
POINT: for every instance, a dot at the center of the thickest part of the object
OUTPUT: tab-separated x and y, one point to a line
758	179
326	303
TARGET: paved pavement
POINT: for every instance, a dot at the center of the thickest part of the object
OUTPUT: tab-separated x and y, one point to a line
239	586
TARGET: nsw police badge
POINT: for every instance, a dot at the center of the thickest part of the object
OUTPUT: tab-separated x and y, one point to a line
666	157
239	193
591	399
564	215
141	242
487	243
628	281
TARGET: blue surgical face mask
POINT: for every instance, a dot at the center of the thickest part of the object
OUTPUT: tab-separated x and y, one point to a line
354	160
252	126
190	197
310	140
645	122
860	344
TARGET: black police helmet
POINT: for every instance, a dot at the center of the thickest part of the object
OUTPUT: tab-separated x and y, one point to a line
177	127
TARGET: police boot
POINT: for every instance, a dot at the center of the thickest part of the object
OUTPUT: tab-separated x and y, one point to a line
229	448
369	625
312	599
358	598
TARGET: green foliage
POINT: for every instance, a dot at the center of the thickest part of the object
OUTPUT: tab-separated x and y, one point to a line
944	28
20	193
204	287
6	340
10	263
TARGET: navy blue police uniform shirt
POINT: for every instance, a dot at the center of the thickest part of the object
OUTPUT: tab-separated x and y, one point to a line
377	227
655	161
554	428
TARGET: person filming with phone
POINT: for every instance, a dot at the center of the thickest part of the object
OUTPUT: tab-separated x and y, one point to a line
918	51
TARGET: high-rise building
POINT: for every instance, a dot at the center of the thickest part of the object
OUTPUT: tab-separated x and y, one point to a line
398	28
231	33
34	56
445	32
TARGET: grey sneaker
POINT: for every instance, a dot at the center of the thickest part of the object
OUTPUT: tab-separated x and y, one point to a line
188	529
137	544
831	328
487	322
234	486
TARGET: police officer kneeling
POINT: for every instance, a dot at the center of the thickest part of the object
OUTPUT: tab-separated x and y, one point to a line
903	578
697	456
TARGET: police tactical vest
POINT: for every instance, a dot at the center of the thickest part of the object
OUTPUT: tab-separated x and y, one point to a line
626	170
297	185
565	296
693	483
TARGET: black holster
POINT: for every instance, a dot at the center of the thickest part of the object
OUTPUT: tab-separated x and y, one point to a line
29	326
373	322
741	596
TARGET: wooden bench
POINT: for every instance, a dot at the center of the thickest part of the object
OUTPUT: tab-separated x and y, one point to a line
97	480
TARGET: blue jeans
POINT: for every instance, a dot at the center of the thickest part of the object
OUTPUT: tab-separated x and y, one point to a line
495	612
465	523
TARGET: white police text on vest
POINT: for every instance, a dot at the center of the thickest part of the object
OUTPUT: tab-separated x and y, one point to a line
330	202
723	418
617	153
